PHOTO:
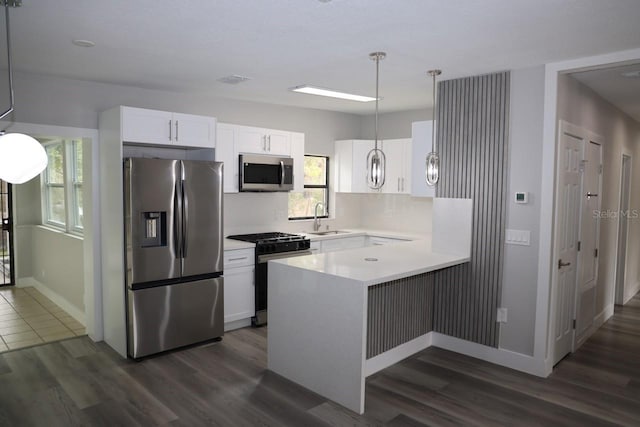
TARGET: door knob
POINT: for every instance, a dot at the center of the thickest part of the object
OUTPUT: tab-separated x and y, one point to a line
562	264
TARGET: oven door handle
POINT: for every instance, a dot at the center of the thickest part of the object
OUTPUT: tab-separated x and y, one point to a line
270	257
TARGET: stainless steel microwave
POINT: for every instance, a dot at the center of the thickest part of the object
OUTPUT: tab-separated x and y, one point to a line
265	173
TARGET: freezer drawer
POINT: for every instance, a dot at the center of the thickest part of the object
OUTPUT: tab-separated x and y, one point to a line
166	317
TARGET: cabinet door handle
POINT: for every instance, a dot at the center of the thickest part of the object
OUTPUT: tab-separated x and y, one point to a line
269	143
264	143
237	259
170	129
562	264
176	130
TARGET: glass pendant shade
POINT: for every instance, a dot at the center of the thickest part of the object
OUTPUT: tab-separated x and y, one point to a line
432	169
375	168
21	158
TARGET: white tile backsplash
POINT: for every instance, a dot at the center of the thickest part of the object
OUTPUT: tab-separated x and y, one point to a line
259	212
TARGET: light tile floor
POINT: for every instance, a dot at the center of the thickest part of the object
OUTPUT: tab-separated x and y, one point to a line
28	318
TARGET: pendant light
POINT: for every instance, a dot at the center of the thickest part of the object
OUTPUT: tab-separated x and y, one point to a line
376	160
432	166
21	156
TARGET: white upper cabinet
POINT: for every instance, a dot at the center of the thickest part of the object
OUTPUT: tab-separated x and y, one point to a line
263	141
351	166
398	166
350	169
421	143
144	126
194	131
233	140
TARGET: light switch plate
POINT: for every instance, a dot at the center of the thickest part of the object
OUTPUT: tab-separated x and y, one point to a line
518	237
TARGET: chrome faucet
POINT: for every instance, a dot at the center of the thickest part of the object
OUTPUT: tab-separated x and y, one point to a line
316	220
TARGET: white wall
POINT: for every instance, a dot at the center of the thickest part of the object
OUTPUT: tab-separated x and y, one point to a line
58	264
581	106
520	271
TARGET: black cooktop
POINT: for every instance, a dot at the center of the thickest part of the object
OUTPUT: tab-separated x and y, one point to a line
273	237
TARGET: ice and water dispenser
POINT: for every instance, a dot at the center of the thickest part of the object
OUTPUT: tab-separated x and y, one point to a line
154	229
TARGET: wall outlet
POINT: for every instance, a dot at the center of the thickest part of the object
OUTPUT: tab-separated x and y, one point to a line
502	315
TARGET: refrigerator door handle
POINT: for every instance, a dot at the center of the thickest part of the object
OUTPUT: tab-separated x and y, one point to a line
177	217
185	222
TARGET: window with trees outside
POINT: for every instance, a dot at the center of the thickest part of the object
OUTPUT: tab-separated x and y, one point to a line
302	205
62	195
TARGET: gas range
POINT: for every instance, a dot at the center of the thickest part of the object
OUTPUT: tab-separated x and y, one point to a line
270	246
275	242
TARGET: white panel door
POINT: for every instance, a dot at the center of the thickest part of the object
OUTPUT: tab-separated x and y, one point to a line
591	198
568	198
194	131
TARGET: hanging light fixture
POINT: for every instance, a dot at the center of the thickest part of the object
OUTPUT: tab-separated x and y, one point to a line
21	156
376	159
432	166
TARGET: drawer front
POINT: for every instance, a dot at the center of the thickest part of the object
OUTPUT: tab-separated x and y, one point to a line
239	258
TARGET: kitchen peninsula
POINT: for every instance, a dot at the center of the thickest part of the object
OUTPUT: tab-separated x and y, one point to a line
336	318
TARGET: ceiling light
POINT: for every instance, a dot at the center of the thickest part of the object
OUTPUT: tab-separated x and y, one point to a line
21	156
432	162
632	74
83	43
314	90
376	159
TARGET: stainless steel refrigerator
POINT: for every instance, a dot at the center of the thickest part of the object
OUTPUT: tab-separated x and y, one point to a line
174	253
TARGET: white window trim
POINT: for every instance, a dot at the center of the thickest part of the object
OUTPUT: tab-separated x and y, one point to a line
70	226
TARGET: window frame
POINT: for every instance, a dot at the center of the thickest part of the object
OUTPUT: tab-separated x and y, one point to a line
70	184
318	186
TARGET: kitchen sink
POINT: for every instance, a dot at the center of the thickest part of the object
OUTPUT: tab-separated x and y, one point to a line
327	233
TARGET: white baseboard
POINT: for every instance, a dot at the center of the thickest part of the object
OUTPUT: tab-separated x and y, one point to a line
602	317
499	356
397	354
237	324
53	296
632	293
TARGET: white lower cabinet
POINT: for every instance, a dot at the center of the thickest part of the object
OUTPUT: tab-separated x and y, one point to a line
379	241
239	289
342	243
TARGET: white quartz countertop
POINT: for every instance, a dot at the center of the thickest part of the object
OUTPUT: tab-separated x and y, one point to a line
377	264
354	232
230	244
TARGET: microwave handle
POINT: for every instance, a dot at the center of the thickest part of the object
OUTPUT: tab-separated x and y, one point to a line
281	173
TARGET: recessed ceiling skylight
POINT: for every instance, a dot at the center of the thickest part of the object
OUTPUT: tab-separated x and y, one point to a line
314	90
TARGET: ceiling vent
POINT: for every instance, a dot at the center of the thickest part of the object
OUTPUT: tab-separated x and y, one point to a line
233	80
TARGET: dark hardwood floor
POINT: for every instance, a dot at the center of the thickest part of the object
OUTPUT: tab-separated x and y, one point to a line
78	382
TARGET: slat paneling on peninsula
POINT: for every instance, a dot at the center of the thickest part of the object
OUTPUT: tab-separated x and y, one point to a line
398	311
472	141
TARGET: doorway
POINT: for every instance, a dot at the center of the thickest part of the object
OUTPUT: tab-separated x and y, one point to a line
625	198
7	269
579	197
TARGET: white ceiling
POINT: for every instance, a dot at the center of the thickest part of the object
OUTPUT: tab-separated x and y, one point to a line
612	85
187	45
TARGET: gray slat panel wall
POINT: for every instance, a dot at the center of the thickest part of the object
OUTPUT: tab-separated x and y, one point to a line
472	141
398	311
